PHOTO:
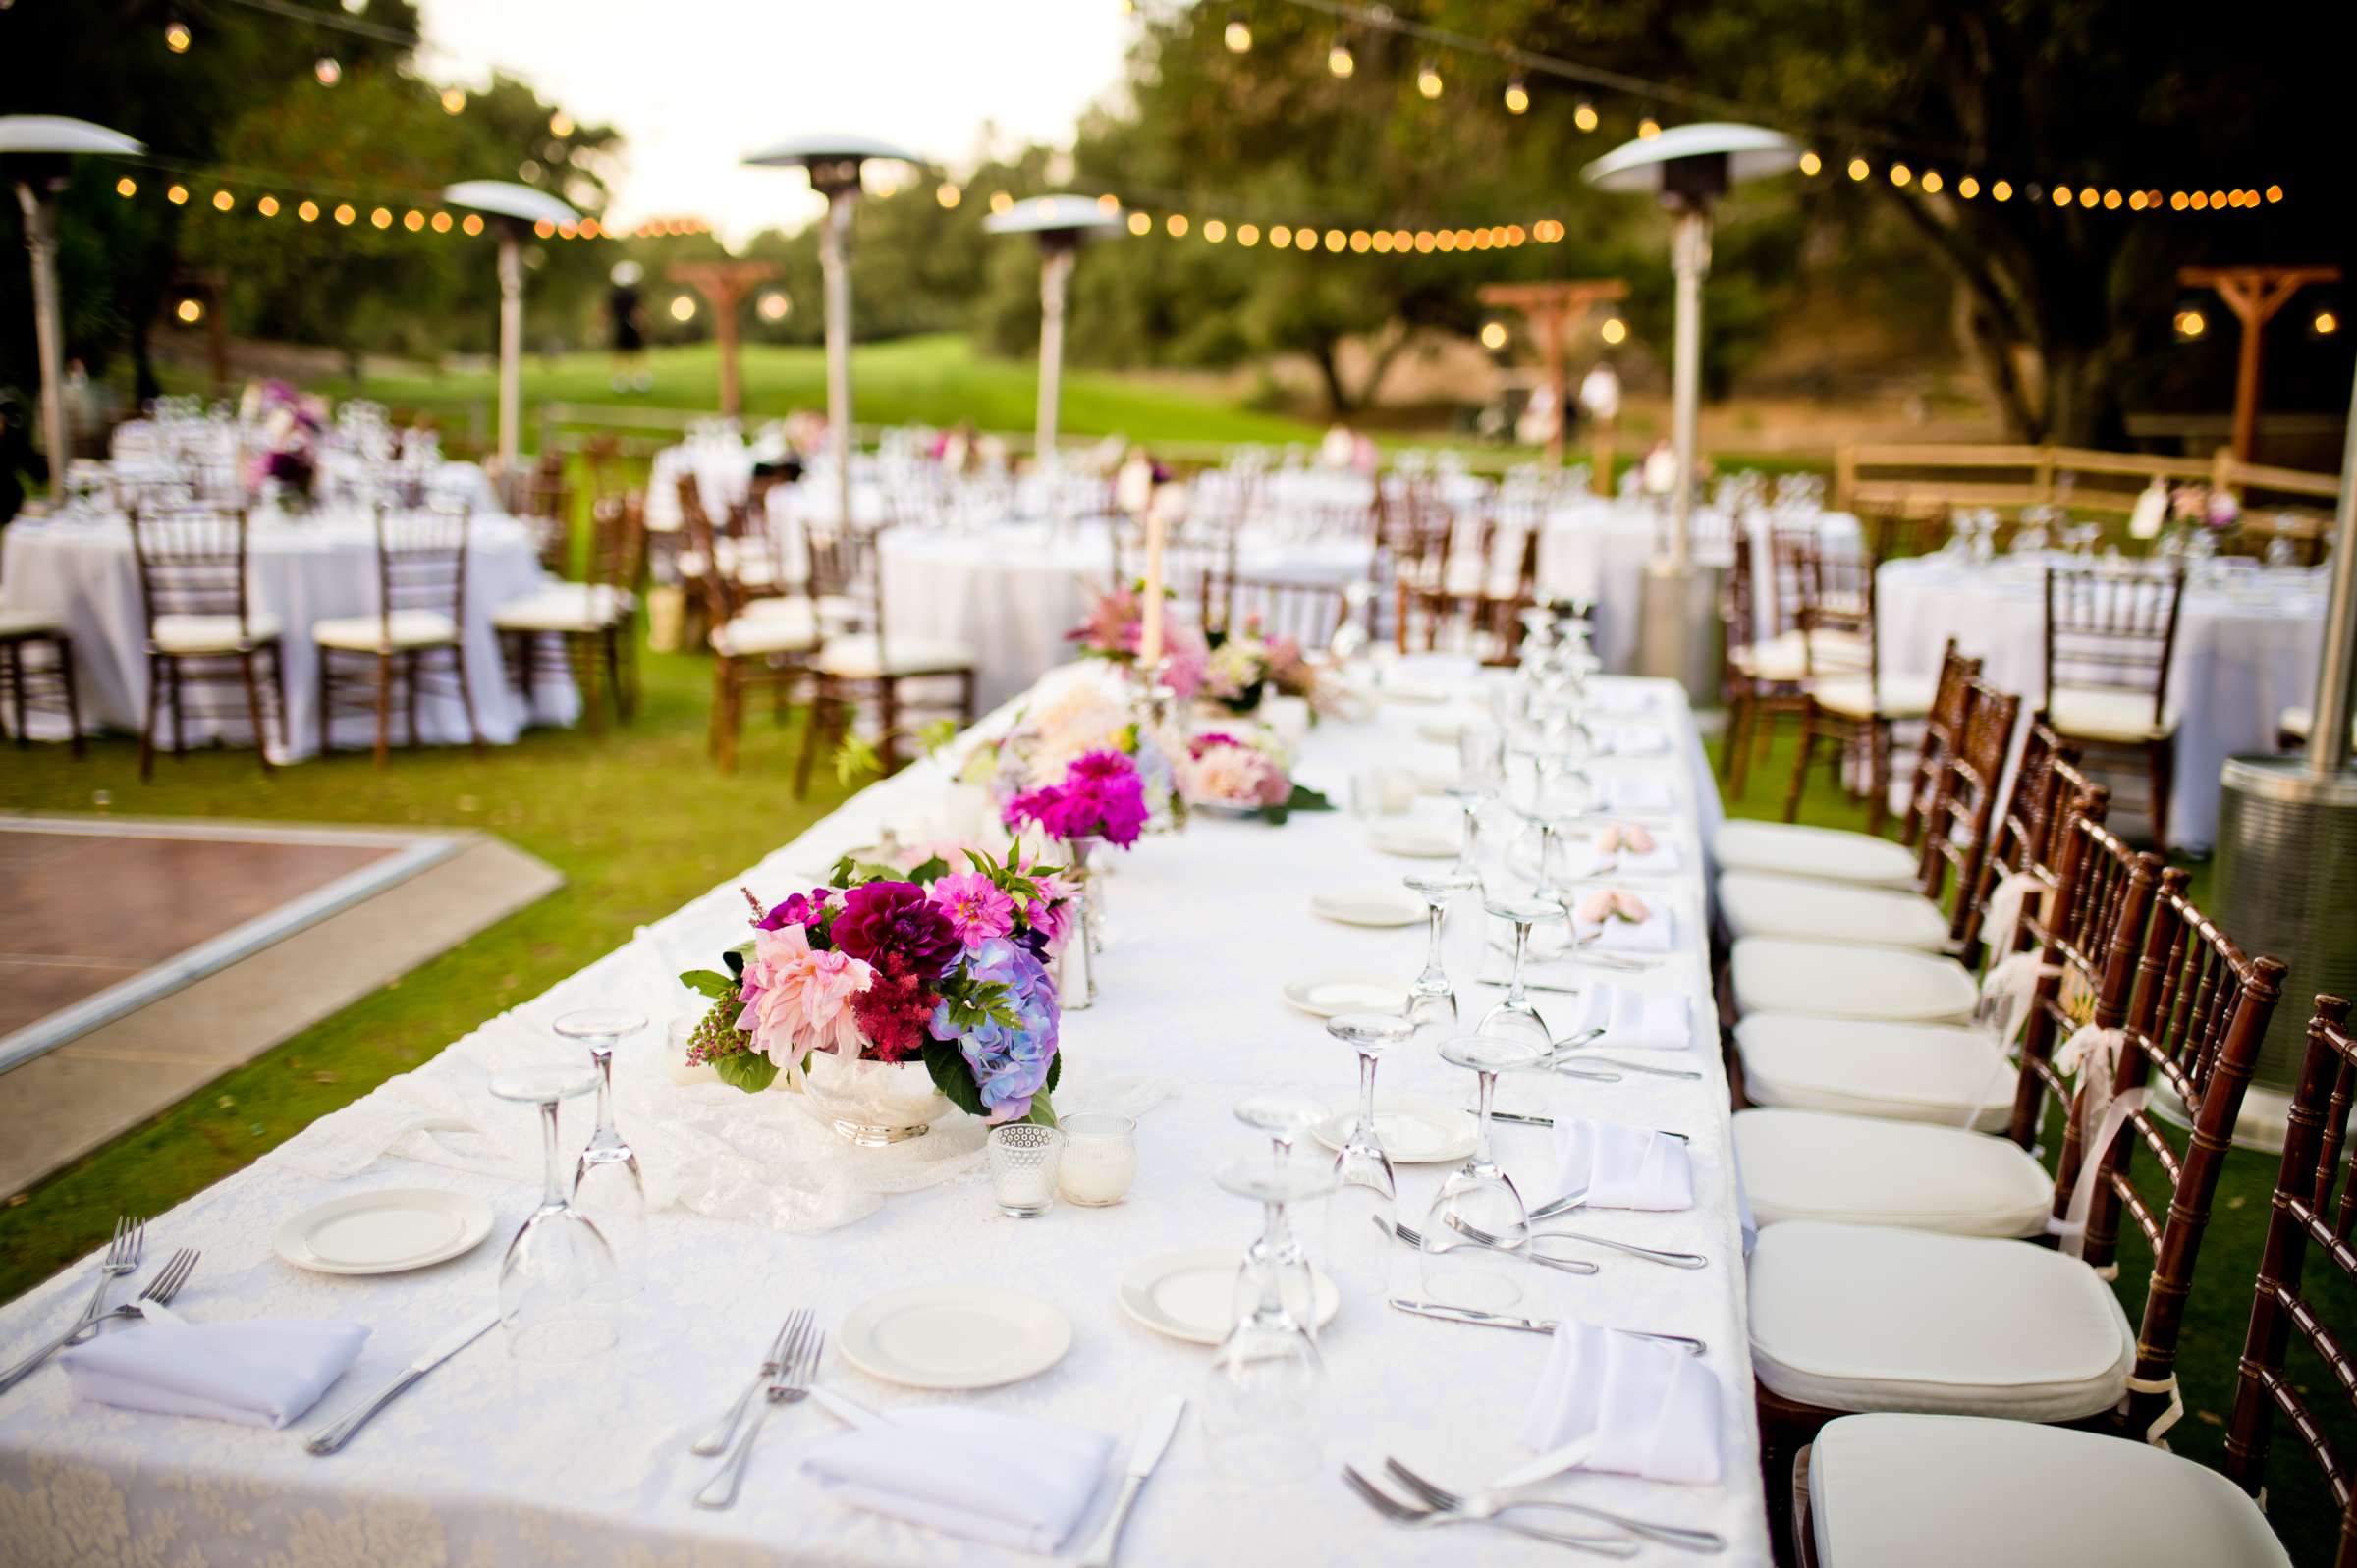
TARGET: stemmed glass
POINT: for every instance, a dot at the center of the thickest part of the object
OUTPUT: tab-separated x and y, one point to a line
558	1273
1481	776
1478	1230
1517	1016
606	1184
1284	1114
1432	999
1260	1398
1365	1206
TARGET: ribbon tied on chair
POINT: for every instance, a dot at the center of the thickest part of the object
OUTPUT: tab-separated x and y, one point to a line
2000	917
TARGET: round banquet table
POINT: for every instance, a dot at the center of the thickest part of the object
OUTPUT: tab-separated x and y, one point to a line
82	570
2247	644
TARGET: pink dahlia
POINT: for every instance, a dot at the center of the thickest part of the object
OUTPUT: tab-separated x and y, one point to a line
798	998
978	909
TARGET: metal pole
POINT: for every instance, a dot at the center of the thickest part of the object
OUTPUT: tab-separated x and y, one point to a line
2335	689
511	351
1055	271
835	260
40	240
1690	259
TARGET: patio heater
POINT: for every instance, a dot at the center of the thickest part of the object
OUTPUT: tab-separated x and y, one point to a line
834	164
1060	224
2288	837
35	148
513	210
1688	168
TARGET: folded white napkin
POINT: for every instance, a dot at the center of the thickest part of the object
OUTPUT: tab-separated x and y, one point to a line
1636	1020
1005	1480
1583	859
1612	1401
258	1374
1620	702
1631	740
1622	1168
1655	933
1635	794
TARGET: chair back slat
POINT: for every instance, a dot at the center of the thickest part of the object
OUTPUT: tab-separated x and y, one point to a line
192	562
1964	803
421	563
1943	732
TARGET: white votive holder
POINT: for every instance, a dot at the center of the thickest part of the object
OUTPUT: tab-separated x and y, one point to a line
1100	1157
1023	1157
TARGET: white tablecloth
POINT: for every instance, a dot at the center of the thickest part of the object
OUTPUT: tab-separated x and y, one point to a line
493	1461
301	571
2247	648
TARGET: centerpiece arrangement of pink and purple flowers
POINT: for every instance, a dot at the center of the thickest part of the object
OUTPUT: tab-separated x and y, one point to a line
1102	795
886	988
287	459
1114	627
1243	774
1244	666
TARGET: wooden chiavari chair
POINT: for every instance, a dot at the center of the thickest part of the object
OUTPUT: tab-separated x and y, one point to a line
1853	710
36	669
756	643
1958	830
1308	613
2314	1211
203	629
1941	728
592	626
415	641
2110	638
874	665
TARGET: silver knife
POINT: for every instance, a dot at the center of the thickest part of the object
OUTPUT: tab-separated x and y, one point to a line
466	1333
1529	1326
1152	1439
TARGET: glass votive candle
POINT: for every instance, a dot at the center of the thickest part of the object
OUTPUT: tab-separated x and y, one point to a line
1100	1157
1024	1156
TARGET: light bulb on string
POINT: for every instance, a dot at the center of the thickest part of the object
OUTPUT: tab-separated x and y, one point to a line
774	305
1517	97
1810	163
176	36
560	124
453	100
1428	79
1648	129
126	186
948	195
189	311
329	69
1340	61
1493	335
1001	201
1238	34
267	206
1585	116
1613	330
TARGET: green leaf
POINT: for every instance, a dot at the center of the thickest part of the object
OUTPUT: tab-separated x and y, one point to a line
840	873
854	757
929	871
705	983
937	735
735	958
749	1070
1055	1069
1041	1110
947	1067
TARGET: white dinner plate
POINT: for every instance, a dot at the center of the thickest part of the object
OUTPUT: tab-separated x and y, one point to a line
1191	1295
1416	840
1326	996
1378	905
954	1336
383	1232
1414	1129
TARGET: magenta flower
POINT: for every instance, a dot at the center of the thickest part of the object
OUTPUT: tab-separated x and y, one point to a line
1101	797
885	919
798	909
978	910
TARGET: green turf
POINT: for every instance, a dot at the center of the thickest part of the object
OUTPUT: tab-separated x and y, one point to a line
2217	1312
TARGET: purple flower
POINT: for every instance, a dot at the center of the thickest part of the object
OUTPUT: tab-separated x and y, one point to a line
1101	797
798	909
977	908
887	918
1009	1061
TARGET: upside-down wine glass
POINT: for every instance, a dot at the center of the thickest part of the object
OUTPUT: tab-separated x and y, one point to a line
556	1282
1477	1230
1517	1016
606	1184
1431	999
1365	1205
1260	1398
1284	1114
1480	779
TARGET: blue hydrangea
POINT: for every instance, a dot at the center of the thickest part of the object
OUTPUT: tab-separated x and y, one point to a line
1009	1061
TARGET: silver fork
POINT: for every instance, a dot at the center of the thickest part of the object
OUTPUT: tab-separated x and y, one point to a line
1411	1517
121	1258
1570	1266
711	1442
160	1290
1676	1260
790	1386
1485	1505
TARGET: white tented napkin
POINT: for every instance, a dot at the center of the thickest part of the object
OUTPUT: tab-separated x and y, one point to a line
1636	1020
258	1374
1009	1480
1612	1401
1635	794
1620	702
1622	1168
1583	859
1657	933
1631	740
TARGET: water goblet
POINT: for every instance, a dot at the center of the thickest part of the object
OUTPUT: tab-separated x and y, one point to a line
1431	999
1284	1114
1517	1016
606	1182
1365	1206
556	1282
1260	1398
1478	1231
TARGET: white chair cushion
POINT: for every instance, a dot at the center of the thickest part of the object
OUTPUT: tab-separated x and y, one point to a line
1956	1491
1756	905
1856	697
1787	657
1827	854
785	629
1852	1171
1872	1318
2093	714
27	623
198	634
1843	980
856	657
1898	1072
405	629
566	607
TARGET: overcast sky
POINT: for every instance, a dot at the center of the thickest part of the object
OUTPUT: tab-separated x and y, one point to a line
695	85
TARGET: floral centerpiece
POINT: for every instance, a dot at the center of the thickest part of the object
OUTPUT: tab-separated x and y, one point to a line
1116	625
1245	774
1078	716
888	997
1101	796
1244	666
289	430
2198	512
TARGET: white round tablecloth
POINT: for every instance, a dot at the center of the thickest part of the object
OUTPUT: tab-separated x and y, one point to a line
301	571
2247	647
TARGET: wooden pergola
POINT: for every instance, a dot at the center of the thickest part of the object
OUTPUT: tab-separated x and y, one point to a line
724	286
1554	311
2254	294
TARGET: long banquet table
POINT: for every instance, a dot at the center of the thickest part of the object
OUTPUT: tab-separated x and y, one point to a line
491	1460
